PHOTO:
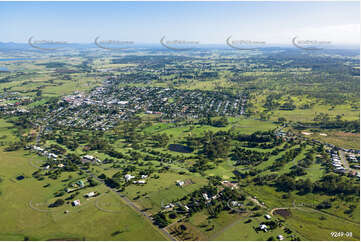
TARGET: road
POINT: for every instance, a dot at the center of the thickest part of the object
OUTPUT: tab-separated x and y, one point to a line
344	160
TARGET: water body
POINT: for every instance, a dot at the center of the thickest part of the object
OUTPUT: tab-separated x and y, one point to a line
180	148
16	59
19	178
4	69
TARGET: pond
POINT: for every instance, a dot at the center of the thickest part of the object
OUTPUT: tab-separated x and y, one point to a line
180	148
19	178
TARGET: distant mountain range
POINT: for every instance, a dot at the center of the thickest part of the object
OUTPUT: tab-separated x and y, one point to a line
155	46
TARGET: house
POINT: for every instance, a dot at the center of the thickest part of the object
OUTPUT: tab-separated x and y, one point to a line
61	165
128	177
180	183
76	203
234	203
170	205
90	194
230	184
280	237
68	190
38	148
80	183
123	102
205	196
340	169
263	227
144	176
267	216
52	155
87	158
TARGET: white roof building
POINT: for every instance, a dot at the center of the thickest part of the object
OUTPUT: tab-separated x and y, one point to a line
37	148
88	157
128	177
263	227
52	155
234	203
76	203
90	194
205	196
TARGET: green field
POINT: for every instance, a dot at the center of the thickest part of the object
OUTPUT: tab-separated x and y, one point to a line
16	196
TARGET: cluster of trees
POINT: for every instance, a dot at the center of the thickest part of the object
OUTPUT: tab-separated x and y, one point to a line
288	105
249	157
216	145
330	184
302	165
111	182
287	157
334	184
160	220
57	149
14	146
59	202
272	101
264	140
216	122
201	165
324	121
70	143
287	183
113	153
161	139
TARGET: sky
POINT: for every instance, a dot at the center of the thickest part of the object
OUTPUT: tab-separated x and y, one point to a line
205	22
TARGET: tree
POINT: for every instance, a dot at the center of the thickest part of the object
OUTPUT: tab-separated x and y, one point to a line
307	186
281	120
285	183
57	203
